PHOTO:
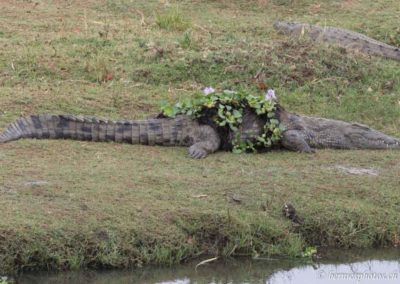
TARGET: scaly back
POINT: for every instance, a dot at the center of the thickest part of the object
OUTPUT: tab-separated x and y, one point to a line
341	37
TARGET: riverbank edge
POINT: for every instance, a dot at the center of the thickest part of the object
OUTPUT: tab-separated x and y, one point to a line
223	236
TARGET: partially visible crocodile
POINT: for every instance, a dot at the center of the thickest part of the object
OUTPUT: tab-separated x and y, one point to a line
341	37
302	133
306	133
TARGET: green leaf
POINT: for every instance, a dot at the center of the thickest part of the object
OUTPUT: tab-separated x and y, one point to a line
260	138
229	92
236	113
276	132
169	111
274	121
259	111
309	251
227	111
237	150
234	128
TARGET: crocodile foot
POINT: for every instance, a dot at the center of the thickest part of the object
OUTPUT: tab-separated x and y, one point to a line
197	152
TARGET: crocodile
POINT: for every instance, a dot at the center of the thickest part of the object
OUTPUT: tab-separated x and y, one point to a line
344	38
302	133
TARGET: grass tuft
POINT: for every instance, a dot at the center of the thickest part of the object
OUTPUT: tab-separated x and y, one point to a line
173	20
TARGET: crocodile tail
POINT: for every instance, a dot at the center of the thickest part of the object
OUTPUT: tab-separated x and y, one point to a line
162	131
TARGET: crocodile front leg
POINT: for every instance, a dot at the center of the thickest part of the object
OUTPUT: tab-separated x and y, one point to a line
293	140
206	141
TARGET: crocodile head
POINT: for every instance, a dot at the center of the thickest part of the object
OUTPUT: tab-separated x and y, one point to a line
285	27
362	137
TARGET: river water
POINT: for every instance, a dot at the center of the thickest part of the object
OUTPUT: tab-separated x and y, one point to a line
335	266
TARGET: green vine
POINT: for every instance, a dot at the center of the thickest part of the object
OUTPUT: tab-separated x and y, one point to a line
226	109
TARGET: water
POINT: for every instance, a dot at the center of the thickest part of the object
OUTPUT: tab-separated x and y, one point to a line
367	266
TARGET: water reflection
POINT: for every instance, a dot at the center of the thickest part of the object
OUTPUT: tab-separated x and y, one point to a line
378	266
373	271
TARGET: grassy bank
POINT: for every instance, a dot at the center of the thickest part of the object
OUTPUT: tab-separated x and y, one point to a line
70	204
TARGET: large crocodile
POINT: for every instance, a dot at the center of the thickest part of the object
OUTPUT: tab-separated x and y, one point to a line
345	38
302	133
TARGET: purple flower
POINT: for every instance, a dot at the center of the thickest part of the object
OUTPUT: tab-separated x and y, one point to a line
270	95
208	90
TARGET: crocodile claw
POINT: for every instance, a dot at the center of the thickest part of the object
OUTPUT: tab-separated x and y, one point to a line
308	151
197	152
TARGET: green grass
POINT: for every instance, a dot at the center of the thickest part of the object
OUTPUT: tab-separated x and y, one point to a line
110	205
173	19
